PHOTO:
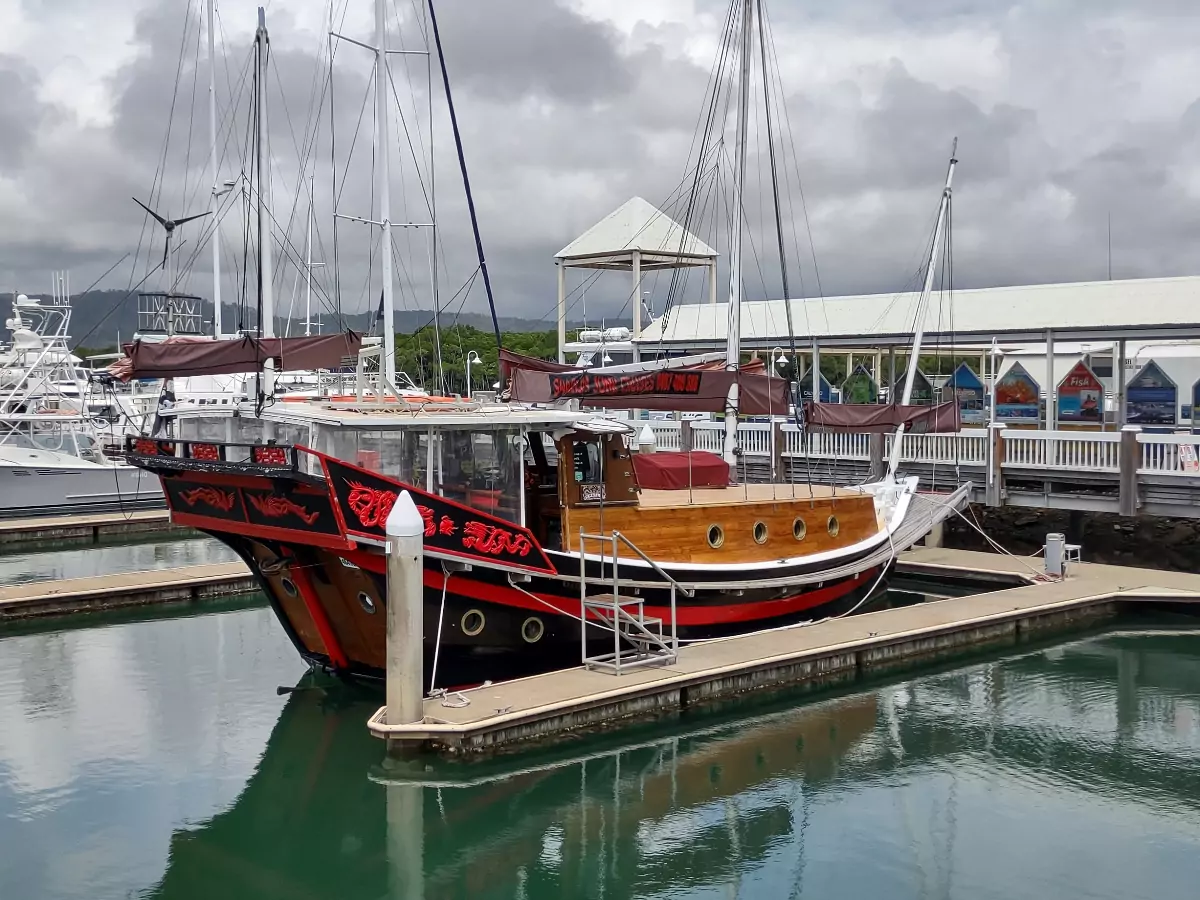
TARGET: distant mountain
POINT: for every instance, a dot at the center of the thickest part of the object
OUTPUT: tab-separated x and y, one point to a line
99	317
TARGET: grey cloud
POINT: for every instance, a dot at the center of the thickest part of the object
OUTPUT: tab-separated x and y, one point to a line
20	111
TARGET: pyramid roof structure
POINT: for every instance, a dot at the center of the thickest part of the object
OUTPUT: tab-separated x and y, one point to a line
636	226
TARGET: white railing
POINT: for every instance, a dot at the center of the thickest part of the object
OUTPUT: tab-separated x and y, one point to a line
1093	451
1169	454
967	447
1079	451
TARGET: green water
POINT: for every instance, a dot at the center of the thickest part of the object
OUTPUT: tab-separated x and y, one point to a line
155	759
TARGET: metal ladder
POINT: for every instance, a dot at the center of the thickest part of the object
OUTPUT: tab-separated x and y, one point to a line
638	639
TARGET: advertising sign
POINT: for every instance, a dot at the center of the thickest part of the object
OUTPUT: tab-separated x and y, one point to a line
1017	396
1080	397
1150	397
968	391
860	387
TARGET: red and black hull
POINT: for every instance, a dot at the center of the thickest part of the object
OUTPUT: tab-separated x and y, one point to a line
496	605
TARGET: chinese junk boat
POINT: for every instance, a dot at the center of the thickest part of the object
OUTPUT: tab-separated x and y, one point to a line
302	492
509	491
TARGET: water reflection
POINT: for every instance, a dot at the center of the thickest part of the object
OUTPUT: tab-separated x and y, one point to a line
1073	771
109	559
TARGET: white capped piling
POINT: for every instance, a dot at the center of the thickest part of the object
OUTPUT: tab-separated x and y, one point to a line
405	599
646	442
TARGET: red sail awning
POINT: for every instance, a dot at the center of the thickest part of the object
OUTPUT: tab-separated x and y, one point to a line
870	418
675	471
685	390
182	358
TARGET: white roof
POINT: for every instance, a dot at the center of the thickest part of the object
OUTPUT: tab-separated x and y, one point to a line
636	225
1150	309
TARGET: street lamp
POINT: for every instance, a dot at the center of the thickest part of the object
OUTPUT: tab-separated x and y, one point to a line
472	358
781	359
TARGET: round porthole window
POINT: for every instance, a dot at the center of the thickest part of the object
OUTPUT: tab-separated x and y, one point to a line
832	526
289	586
799	529
532	630
716	536
472	622
365	601
760	532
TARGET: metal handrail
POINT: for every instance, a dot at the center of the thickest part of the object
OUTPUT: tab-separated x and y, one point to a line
655	566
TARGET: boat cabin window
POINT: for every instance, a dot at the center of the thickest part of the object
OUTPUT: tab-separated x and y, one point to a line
481	469
598	469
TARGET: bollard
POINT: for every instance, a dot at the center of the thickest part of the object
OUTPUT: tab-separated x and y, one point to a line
1128	459
405	601
645	441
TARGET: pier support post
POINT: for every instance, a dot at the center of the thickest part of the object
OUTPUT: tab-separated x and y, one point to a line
993	494
878	467
936	536
1128	460
405	601
777	447
406	840
685	435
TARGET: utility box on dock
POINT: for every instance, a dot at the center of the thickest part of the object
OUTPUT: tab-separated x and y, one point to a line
1056	548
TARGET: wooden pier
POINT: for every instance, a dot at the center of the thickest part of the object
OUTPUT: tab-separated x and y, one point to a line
555	705
86	529
185	584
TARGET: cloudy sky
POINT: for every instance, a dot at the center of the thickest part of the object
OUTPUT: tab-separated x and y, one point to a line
1067	113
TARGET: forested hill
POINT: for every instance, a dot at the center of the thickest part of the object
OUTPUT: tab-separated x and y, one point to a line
98	317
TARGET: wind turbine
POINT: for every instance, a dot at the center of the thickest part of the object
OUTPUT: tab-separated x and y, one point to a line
169	226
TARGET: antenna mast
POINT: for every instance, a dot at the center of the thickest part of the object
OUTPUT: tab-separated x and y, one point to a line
212	154
733	346
922	306
266	273
383	178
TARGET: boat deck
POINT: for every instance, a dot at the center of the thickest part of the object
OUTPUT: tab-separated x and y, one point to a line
742	493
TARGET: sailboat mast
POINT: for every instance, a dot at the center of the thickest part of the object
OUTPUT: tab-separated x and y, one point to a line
266	273
914	358
212	157
733	346
383	188
308	263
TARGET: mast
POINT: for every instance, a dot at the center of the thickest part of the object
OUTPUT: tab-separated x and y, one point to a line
922	306
734	340
462	164
266	274
383	187
308	263
212	156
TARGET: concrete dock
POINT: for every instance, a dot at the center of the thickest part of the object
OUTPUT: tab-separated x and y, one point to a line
554	705
87	529
186	584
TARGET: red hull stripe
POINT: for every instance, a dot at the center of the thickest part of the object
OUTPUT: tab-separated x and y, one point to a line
333	647
730	613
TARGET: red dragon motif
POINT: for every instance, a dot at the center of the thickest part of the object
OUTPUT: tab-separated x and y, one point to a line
493	540
209	496
276	507
371	505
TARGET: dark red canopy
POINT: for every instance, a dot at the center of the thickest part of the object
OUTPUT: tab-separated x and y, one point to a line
674	471
883	418
685	390
181	358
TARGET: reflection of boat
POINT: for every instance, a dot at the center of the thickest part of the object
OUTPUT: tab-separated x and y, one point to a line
310	823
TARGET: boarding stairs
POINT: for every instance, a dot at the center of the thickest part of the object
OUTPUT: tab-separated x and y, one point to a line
638	640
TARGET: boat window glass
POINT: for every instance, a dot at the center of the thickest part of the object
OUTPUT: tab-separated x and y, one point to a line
482	469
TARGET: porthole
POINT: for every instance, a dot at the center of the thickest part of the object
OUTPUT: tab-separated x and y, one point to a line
760	532
532	630
832	526
365	601
289	586
472	622
799	529
716	536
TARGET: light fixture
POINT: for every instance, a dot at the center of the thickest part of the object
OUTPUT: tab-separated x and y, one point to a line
781	359
607	359
472	358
